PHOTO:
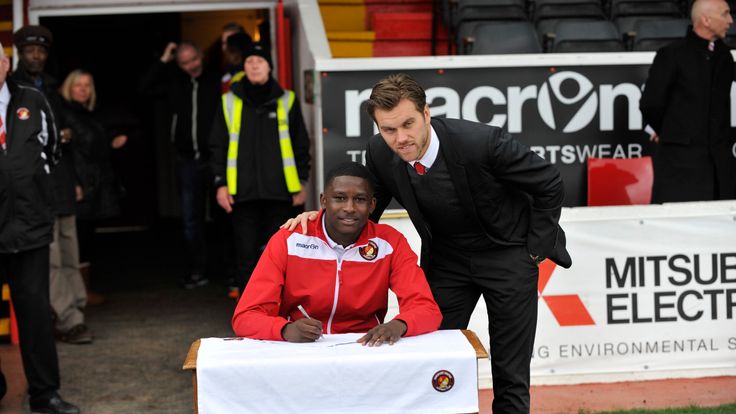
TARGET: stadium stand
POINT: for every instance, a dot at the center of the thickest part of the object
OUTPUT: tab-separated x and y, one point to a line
362	28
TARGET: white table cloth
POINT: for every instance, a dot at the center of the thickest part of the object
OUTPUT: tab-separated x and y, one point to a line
432	373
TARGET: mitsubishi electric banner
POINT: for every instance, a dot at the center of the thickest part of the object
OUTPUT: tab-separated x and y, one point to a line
644	294
564	113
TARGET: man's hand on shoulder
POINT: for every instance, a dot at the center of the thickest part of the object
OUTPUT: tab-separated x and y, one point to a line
302	219
303	330
389	332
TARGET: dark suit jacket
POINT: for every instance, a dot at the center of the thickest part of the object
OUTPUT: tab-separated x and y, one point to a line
687	100
512	193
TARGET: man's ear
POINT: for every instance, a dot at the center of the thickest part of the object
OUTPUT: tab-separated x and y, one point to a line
373	205
426	114
322	200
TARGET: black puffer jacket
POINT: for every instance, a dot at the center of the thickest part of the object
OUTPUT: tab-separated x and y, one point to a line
92	147
26	213
63	176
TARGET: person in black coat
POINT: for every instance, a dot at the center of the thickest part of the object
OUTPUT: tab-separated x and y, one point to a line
687	102
192	94
33	44
486	208
29	148
99	190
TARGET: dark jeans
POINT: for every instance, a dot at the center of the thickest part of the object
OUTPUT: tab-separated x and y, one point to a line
254	222
506	277
27	274
192	177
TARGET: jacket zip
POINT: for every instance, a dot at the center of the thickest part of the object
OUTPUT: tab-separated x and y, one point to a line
337	292
173	127
195	144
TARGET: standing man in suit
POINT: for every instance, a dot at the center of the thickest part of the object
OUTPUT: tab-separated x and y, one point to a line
486	208
687	102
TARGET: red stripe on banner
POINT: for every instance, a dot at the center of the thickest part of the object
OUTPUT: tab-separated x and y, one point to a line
568	310
546	268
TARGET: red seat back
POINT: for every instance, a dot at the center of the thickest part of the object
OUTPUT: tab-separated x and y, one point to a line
619	181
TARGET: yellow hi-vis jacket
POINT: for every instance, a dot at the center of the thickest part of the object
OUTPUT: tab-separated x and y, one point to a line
232	107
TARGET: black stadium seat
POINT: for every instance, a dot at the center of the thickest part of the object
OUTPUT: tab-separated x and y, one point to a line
505	37
581	37
621	8
652	35
564	9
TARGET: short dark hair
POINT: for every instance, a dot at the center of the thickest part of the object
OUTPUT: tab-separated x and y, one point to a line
389	91
350	169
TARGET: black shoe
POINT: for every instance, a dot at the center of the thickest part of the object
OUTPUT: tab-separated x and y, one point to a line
194	280
77	335
53	405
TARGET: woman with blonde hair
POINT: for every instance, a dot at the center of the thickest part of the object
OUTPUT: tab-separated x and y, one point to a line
98	191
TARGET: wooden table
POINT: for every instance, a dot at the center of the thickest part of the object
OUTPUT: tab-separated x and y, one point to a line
190	362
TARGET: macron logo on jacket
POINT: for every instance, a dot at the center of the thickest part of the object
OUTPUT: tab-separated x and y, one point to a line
313	247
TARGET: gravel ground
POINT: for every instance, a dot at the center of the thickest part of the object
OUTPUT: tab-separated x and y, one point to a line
142	332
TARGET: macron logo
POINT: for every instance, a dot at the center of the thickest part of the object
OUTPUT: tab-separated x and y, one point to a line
307	246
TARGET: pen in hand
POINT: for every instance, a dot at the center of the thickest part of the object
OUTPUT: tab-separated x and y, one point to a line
306	315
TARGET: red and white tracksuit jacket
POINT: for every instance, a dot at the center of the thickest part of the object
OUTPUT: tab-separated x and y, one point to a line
346	295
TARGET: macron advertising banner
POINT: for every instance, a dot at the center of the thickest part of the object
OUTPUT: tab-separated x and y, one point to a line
644	294
565	114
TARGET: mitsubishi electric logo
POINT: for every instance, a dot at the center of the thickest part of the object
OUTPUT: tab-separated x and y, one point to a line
567	309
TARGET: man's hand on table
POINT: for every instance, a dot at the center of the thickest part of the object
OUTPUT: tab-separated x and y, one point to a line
303	330
389	332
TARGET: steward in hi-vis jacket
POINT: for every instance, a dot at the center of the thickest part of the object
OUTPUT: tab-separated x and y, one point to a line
260	158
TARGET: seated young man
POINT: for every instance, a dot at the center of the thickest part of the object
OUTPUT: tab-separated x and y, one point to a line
339	272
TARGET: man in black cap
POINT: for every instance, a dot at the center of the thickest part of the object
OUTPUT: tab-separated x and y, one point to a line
28	144
33	43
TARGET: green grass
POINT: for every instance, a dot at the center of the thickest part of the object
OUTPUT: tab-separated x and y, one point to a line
721	409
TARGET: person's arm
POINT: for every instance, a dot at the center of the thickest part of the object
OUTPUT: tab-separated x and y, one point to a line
153	83
49	134
656	94
257	313
300	144
418	312
219	142
383	197
299	141
515	165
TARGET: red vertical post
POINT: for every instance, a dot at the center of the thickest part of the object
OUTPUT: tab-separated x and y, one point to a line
281	44
14	339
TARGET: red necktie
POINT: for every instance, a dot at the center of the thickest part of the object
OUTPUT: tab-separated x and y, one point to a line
2	133
420	168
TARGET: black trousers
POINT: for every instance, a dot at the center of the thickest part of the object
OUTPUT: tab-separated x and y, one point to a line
28	276
254	222
506	277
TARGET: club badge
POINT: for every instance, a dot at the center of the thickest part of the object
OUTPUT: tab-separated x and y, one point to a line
443	381
23	113
369	251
